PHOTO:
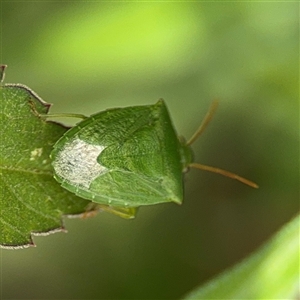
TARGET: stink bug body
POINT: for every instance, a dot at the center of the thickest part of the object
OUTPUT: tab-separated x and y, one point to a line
124	158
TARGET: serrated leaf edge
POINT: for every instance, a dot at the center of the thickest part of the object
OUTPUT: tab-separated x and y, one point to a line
32	93
45	233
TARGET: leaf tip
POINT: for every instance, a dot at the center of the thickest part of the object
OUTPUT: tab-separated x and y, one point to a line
2	72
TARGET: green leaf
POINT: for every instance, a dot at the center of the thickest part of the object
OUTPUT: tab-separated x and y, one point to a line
31	201
270	273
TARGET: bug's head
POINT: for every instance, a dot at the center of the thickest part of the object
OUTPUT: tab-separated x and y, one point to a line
186	154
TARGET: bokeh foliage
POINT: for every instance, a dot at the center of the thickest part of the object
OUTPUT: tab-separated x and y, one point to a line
272	272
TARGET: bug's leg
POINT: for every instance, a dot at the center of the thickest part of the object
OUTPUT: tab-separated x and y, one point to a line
88	214
126	213
92	210
79	116
34	111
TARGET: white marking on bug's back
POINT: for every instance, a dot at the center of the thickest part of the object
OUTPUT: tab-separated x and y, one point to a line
77	163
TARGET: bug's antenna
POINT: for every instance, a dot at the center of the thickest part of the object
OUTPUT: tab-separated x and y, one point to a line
203	125
224	173
206	120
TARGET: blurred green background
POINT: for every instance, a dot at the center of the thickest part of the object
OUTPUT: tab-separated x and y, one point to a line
85	57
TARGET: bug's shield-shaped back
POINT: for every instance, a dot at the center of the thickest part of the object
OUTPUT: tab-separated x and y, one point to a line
124	157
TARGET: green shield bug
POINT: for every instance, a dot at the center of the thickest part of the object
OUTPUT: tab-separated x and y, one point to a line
124	158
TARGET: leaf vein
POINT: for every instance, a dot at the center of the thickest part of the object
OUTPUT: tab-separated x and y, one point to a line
17	197
29	171
12	227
